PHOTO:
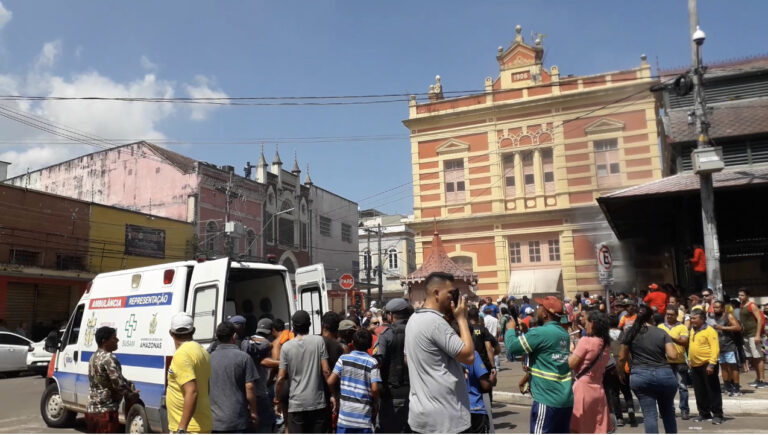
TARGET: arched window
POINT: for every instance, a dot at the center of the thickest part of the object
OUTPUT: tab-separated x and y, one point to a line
464	262
285	224
288	263
250	248
392	256
211	233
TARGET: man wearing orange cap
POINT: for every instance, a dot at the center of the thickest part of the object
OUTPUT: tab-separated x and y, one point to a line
656	298
548	348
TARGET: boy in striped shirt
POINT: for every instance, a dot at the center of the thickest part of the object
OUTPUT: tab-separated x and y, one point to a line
360	381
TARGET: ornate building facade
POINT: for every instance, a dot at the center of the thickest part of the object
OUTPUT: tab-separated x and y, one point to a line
511	174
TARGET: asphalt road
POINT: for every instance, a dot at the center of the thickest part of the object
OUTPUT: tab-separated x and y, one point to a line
20	413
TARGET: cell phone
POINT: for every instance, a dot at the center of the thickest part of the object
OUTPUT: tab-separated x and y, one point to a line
455	296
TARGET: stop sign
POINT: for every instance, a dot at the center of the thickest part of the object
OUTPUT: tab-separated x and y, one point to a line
347	281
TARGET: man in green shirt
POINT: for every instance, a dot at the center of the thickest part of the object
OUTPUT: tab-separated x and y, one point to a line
547	347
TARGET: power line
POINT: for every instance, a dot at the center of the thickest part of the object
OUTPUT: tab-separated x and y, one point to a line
314	100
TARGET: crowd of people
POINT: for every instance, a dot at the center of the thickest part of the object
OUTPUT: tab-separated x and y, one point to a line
587	352
433	369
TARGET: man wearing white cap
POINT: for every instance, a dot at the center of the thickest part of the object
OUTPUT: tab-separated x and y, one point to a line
189	408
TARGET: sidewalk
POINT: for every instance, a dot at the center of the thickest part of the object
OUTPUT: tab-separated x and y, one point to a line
753	402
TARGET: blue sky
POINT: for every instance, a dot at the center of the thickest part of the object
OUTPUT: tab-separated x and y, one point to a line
312	48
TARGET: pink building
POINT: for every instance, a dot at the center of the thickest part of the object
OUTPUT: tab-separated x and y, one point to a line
145	177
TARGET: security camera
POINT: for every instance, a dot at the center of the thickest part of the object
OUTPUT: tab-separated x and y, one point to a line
699	36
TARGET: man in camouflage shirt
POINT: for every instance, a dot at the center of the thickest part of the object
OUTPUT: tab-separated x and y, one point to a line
107	385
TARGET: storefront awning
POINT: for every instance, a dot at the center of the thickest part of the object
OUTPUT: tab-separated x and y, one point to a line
652	209
528	282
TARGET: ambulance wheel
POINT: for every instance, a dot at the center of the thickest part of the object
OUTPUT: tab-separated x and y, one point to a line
52	408
136	420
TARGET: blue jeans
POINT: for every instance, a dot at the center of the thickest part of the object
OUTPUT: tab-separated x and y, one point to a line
683	380
655	387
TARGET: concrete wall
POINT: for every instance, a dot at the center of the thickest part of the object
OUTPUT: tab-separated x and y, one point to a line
338	256
108	239
132	177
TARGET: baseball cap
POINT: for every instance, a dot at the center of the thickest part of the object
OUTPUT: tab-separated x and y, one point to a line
237	320
528	311
397	305
653	286
300	318
264	326
629	302
346	325
552	304
182	323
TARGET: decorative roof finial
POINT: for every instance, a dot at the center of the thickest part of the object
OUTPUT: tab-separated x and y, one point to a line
434	219
276	160
308	180
519	33
295	169
262	161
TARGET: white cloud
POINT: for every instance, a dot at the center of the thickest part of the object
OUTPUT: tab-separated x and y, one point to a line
148	64
117	121
5	15
48	54
201	89
79	51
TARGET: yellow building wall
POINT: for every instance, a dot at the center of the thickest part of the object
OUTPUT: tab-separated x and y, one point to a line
107	239
478	131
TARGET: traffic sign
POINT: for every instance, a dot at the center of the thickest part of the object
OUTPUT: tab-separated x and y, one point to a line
347	281
604	258
604	264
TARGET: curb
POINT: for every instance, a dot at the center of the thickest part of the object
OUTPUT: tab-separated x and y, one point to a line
732	407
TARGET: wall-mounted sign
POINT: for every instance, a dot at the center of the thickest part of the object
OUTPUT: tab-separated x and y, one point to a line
144	242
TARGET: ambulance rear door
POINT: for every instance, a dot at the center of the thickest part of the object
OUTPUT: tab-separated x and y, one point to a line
312	293
205	302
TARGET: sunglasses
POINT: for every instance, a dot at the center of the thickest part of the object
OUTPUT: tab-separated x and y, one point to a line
375	323
706	295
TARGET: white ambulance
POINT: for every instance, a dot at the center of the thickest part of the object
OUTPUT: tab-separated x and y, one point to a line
140	302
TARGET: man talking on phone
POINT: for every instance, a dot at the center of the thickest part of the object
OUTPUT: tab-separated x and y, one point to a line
439	400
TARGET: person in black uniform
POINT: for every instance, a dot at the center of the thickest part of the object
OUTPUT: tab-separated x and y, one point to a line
390	352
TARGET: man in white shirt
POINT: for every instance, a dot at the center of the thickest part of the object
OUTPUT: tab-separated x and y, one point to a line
491	323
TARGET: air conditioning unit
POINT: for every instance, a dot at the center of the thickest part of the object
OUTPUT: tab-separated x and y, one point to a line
707	160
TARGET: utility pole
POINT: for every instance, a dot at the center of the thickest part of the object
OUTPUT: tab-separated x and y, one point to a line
229	242
709	224
381	266
368	257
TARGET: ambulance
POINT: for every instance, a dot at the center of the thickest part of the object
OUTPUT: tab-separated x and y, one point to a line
139	304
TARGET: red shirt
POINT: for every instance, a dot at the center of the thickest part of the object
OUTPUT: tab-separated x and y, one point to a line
657	299
699	260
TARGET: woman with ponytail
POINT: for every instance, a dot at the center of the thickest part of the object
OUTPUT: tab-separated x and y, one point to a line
588	361
652	378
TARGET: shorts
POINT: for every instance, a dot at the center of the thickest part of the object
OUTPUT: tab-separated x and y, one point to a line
753	348
727	358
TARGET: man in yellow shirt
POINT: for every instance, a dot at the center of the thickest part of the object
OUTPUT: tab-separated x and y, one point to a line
679	334
186	397
703	352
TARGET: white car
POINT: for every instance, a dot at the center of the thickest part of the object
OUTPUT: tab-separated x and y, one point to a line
19	354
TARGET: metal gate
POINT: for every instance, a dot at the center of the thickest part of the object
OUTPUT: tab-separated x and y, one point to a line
20	304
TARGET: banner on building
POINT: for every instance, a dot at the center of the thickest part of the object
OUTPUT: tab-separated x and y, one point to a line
144	242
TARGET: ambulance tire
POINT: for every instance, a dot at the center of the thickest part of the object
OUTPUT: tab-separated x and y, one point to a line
52	408
136	420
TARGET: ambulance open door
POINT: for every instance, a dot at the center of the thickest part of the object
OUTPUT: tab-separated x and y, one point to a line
312	293
205	302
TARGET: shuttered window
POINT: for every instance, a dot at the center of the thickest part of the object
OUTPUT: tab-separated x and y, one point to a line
735	153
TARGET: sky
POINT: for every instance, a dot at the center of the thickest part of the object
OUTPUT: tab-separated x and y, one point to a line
206	49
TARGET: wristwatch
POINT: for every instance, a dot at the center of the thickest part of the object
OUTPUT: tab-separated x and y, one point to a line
181	431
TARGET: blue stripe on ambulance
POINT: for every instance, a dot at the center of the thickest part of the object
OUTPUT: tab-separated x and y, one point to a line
150	393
